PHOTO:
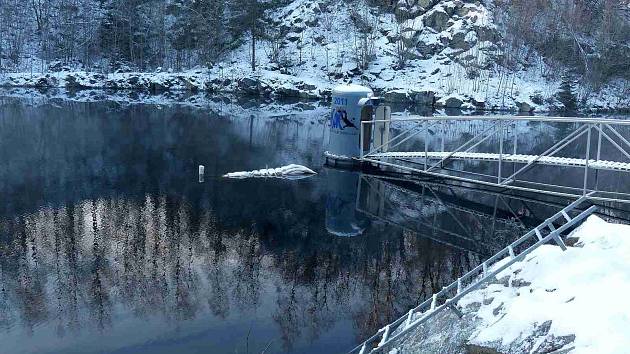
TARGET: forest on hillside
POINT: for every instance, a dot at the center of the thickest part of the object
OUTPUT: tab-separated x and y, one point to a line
591	37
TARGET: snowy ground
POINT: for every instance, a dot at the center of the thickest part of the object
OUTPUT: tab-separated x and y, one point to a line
574	301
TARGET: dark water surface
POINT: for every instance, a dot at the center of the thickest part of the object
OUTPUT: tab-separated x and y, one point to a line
109	243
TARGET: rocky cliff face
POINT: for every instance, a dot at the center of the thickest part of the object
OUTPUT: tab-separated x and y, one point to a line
443	53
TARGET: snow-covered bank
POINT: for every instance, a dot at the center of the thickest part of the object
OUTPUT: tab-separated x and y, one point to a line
228	106
274	85
553	301
237	81
452	54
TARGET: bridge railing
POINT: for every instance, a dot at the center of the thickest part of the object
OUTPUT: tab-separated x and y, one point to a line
433	162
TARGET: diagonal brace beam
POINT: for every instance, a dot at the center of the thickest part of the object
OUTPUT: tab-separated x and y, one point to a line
549	152
492	127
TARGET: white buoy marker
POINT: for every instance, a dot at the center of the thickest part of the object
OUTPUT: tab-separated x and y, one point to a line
202	169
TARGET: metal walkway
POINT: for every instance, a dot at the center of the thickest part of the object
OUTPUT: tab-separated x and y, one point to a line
524	159
499	140
448	297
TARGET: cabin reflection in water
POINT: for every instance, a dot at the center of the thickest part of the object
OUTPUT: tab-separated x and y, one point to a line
342	218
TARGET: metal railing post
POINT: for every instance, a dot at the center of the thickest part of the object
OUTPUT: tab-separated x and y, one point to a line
426	144
499	174
443	132
514	149
599	152
361	138
549	152
588	156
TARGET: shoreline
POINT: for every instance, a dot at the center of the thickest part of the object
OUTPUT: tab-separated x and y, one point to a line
284	87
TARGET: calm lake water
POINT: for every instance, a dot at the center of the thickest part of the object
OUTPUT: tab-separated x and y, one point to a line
110	244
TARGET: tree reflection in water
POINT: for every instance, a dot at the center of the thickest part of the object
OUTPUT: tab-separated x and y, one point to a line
106	238
75	264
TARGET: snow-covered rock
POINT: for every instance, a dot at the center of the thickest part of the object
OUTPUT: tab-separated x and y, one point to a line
291	171
553	301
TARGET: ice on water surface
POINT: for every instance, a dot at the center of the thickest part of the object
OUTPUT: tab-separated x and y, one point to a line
291	171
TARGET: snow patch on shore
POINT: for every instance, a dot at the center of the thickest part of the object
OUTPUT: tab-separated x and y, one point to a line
582	293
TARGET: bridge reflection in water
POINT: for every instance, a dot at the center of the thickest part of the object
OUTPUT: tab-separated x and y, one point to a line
464	218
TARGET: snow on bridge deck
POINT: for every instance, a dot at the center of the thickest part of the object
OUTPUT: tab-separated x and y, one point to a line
545	160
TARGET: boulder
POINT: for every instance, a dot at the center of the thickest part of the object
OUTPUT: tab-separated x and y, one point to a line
404	11
427	3
458	41
190	82
453	102
44	81
312	22
306	87
133	80
113	84
485	33
160	86
478	104
437	19
537	98
325	93
249	86
453	6
284	92
524	107
427	50
422	98
463	11
396	96
392	37
307	95
73	83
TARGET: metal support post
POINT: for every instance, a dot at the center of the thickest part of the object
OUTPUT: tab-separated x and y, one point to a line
588	156
499	174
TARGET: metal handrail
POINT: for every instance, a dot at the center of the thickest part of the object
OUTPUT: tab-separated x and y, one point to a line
583	126
480	275
508	118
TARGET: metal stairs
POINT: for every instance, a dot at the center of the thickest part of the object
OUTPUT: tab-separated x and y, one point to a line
481	274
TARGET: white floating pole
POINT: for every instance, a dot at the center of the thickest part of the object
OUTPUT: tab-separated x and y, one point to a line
202	169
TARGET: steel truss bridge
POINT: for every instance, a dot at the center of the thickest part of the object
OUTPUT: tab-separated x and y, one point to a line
590	146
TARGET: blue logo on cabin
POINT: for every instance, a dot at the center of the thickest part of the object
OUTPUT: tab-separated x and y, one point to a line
339	120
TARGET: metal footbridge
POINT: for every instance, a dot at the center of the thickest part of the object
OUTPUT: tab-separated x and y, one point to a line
510	150
551	229
583	159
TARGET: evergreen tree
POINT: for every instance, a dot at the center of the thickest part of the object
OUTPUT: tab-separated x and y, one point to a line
566	95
